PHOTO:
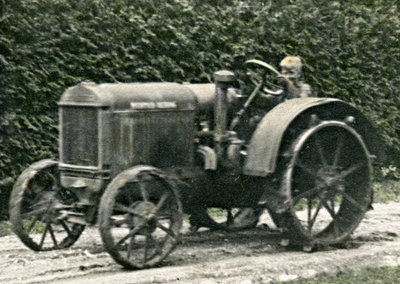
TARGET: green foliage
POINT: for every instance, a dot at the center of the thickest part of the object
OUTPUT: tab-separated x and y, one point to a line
391	172
37	227
386	190
350	51
5	228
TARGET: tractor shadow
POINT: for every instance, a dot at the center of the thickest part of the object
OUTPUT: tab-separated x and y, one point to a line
206	245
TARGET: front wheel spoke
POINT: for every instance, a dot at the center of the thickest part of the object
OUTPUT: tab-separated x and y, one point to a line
143	191
34	212
161	201
131	233
66	228
54	179
123	208
331	210
164	216
53	237
146	248
352	201
119	221
35	219
126	209
168	213
156	246
130	245
167	230
44	236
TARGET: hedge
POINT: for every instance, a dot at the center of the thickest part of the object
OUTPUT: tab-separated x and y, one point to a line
350	50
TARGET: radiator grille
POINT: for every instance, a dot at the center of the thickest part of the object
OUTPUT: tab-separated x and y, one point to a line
79	136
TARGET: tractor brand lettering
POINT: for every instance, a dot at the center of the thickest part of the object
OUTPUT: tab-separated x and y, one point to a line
153	105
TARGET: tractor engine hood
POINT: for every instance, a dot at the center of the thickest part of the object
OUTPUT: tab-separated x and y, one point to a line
130	96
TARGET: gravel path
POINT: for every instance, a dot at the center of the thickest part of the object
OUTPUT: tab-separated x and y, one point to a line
252	256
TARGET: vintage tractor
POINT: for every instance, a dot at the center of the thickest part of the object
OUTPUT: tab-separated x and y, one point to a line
135	157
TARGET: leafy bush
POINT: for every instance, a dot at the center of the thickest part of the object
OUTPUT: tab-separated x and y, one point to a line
350	51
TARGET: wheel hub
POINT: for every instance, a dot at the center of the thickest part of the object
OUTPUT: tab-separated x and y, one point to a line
328	181
47	207
144	215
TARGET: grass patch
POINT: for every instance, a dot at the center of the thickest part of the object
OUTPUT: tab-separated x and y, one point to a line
381	275
5	228
386	191
37	227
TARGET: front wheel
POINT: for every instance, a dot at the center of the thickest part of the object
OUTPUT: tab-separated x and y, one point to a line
36	206
140	217
327	175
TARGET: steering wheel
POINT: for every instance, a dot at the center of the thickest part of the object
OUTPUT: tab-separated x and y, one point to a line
259	81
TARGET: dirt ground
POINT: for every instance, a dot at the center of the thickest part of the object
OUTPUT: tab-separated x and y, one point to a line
252	256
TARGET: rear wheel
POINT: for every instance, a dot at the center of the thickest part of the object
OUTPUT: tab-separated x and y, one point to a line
36	206
140	217
328	177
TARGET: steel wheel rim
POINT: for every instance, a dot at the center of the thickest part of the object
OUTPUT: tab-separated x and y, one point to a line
139	229
35	209
339	188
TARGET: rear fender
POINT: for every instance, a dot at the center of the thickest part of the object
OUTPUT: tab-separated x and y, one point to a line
277	126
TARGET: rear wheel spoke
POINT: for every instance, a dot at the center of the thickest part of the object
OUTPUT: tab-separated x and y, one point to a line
338	150
334	217
314	217
305	168
352	201
304	194
350	170
320	149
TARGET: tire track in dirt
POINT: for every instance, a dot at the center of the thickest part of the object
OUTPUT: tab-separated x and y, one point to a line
252	256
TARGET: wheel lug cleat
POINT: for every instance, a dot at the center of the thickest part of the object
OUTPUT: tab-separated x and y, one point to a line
307	248
193	229
284	242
